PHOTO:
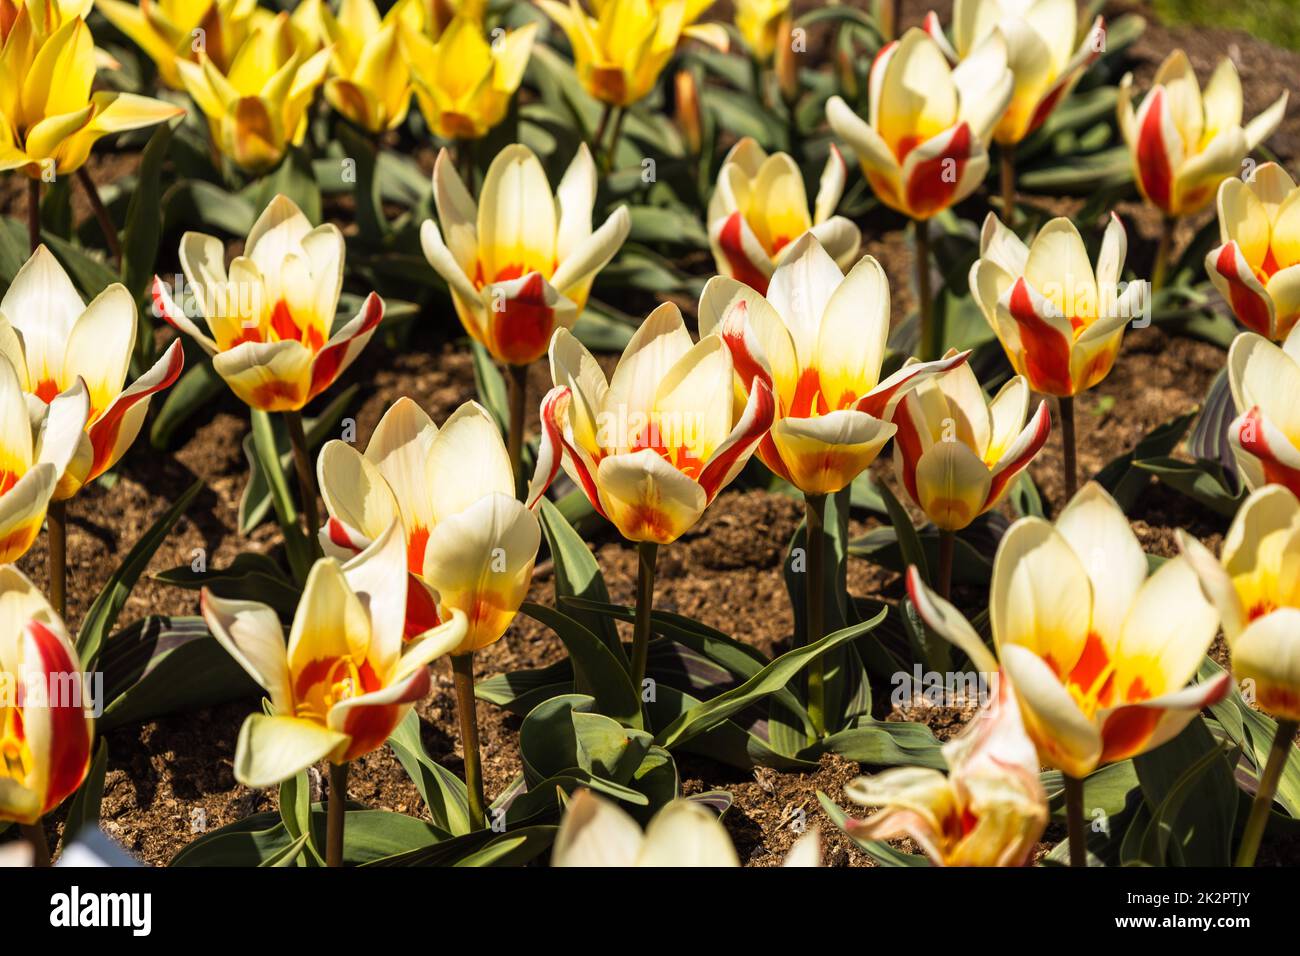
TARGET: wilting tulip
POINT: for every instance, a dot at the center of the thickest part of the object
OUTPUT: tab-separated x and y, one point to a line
1184	142
173	30
989	809
1257	591
1100	655
346	679
1257	267
463	84
760	208
759	23
370	81
596	832
955	452
45	735
49	116
1265	437
257	109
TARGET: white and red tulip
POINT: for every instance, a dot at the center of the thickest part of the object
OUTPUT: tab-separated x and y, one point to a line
1265	383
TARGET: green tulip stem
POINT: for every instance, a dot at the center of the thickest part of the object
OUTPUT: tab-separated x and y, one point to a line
306	479
1074	821
815	511
517	384
947	545
336	806
101	215
647	552
33	213
1260	809
931	323
462	669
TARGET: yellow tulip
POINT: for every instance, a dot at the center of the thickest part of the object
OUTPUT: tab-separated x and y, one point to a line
1046	51
520	262
171	30
45	735
258	109
49	116
654	445
955	452
346	679
1100	655
59	346
759	23
1265	384
817	343
1185	141
370	81
760	208
989	809
438	14
1257	266
470	545
1256	587
924	145
1059	320
269	316
462	83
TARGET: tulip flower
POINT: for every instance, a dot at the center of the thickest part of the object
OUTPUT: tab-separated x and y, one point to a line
521	262
1265	437
463	84
174	30
1184	141
1255	268
760	208
1059	320
370	82
1099	653
654	445
345	680
257	109
686	97
924	145
45	735
596	832
989	809
1257	592
759	23
956	453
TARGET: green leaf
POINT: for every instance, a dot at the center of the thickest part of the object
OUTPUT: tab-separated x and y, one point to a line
104	610
887	744
1202	481
195	204
295	811
490	386
442	791
909	542
83	808
481	848
265	460
249	577
289	855
195	390
1189	788
596	670
1123	476
657	224
577	575
143	230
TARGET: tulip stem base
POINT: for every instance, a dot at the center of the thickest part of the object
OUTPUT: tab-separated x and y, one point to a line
56	519
612	152
1160	271
306	480
1070	463
34	833
815	607
646	552
517	384
338	802
1074	821
101	215
947	545
1008	166
1260	809
462	669
931	324
33	213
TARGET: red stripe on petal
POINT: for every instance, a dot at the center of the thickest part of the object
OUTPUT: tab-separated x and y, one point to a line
522	329
908	442
553	406
1250	309
1253	440
1152	157
328	363
421	609
733	247
104	431
340	535
736	334
68	757
1042	426
754	424
934	181
1046	351
876	402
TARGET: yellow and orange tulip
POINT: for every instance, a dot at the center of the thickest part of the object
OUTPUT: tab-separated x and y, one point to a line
1265	384
370	79
269	317
521	261
654	445
172	30
1256	587
1257	266
57	344
1100	655
760	207
1059	320
346	679
955	452
1184	141
49	115
924	144
45	735
1047	51
816	343
759	23
470	544
257	108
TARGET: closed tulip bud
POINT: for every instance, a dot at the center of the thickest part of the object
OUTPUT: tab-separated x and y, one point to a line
687	101
175	30
816	343
1265	384
520	262
924	144
58	346
1184	141
45	735
268	316
759	208
955	452
1257	266
1059	320
1101	656
764	24
846	68
787	59
1257	592
1047	51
